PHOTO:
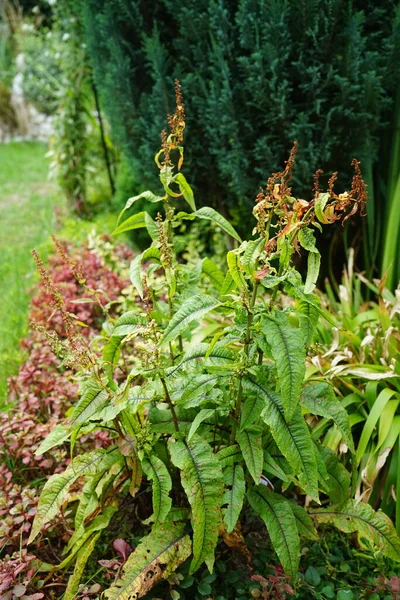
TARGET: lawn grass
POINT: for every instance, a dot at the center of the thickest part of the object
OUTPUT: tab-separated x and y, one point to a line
27	218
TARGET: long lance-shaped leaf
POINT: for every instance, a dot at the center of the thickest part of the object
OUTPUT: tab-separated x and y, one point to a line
57	436
55	492
287	348
82	535
307	240
251	411
277	514
212	215
185	190
338	477
304	522
110	355
82	557
93	397
218	355
157	557
202	480
313	266
233	260
370	424
233	495
147	195
229	456
213	272
319	398
250	444
308	320
157	472
192	310
135	268
374	526
293	439
134	222
202	415
129	322
200	385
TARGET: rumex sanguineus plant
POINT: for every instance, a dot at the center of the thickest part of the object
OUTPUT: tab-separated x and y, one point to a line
211	417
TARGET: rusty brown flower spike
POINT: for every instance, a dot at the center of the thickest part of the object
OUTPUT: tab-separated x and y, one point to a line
76	269
316	188
78	347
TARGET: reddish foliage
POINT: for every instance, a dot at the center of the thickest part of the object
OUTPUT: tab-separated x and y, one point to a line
276	586
40	394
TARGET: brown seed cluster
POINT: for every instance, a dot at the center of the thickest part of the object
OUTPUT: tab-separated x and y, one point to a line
177	124
79	352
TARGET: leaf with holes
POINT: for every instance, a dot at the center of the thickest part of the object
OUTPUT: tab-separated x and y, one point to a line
233	495
157	556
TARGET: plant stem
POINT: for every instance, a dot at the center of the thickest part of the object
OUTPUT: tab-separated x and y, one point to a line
170	404
247	340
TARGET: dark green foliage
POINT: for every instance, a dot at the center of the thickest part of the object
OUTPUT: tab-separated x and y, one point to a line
256	75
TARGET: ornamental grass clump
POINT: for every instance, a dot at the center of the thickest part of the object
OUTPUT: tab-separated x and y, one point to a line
210	422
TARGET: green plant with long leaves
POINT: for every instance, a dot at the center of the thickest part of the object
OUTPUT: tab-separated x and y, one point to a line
361	358
209	419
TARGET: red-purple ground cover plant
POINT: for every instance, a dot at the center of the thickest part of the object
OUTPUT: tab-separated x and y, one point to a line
84	287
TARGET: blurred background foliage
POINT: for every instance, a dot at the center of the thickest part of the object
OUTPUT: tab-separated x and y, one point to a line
257	75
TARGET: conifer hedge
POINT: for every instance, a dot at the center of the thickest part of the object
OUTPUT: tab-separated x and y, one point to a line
256	75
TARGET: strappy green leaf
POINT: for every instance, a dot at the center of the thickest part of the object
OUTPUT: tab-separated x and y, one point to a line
233	495
212	215
202	480
293	439
192	310
156	471
287	349
249	441
277	514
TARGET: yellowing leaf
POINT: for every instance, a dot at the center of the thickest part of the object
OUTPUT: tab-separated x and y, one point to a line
157	556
